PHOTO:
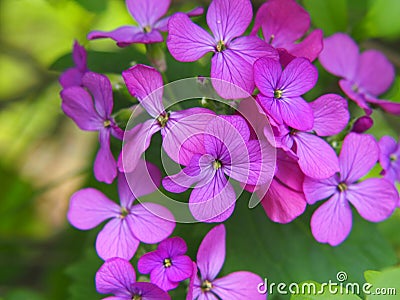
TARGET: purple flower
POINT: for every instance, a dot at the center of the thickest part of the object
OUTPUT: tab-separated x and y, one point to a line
225	149
389	158
117	276
233	55
168	265
283	23
316	157
365	76
210	258
149	16
362	124
129	224
146	84
280	91
78	104
375	198
73	76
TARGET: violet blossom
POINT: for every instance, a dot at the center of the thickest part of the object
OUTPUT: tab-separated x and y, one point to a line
234	54
374	198
128	224
73	76
389	158
77	103
168	265
210	259
283	23
364	76
117	277
149	15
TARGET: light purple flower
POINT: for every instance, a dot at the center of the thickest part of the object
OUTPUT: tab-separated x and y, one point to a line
129	224
234	55
210	259
149	15
365	76
73	76
375	198
283	23
146	84
316	157
77	103
223	150
389	158
168	265
117	277
280	91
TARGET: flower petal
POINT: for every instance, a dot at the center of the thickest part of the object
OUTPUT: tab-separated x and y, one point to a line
228	19
79	56
375	198
159	277
331	114
181	269
349	89
331	223
162	24
310	47
319	189
115	276
174	246
149	291
238	285
149	261
358	155
386	105
267	72
105	166
340	56
146	84
187	41
116	240
289	172
387	146
296	113
211	253
89	207
71	77
146	13
100	88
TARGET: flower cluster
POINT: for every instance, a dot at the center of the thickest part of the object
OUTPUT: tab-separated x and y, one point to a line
287	151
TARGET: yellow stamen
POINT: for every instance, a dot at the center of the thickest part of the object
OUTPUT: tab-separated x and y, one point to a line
278	94
221	46
217	164
167	263
206	286
342	187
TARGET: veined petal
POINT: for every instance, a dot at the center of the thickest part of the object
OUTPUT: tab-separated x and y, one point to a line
182	268
116	240
79	56
267	72
296	113
100	88
387	146
331	114
359	154
174	246
115	276
386	105
146	84
78	105
340	56
228	19
159	277
350	90
162	24
71	77
375	198
149	291
105	166
310	47
319	189
211	253
271	107
149	261
187	41
317	159
331	223
89	207
146	13
238	285
288	171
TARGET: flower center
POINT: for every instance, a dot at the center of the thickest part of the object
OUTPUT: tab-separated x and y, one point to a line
271	38
292	131
278	94
167	263
124	212
137	297
147	29
342	187
206	286
107	123
163	119
217	164
393	157
221	46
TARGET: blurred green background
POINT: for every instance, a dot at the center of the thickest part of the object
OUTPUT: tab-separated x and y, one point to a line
44	158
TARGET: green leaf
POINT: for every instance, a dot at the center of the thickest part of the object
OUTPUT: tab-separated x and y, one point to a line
311	290
329	15
385	284
23	294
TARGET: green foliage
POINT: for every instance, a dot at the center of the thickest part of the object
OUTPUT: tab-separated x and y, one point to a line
385	284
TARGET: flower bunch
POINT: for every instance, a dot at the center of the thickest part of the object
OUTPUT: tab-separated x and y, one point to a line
270	141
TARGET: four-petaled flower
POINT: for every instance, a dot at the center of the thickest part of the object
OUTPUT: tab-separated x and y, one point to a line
168	265
389	158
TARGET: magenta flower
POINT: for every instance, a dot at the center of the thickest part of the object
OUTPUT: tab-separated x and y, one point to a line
280	91
146	84
233	55
78	104
362	124
210	259
168	265
375	198
117	277
283	23
225	149
73	76
389	158
365	76
129	224
316	157
149	16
